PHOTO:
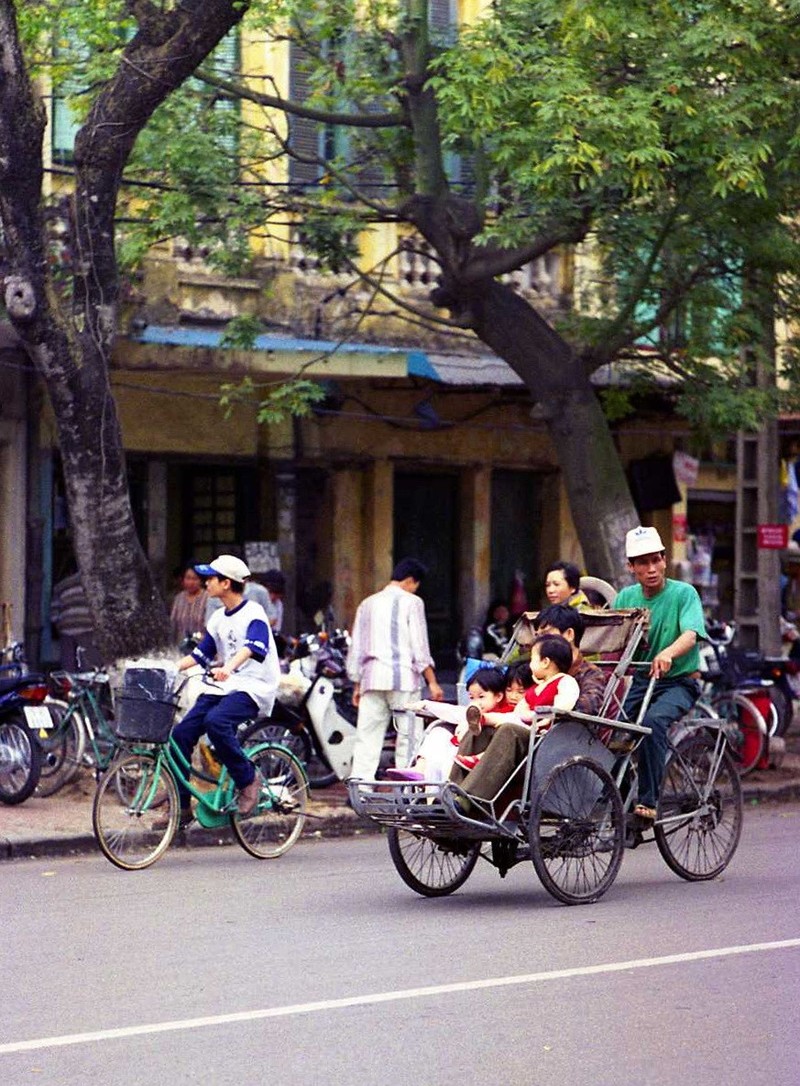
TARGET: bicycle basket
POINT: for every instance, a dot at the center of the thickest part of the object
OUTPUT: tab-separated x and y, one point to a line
146	705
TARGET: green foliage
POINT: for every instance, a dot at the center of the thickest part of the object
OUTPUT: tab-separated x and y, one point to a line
295	397
332	238
242	332
669	126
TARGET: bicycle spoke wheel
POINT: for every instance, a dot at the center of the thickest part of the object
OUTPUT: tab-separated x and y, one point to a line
136	811
20	760
278	819
577	832
62	749
433	868
700	810
299	743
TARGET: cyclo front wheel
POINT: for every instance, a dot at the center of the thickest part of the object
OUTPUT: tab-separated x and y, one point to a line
699	819
577	832
432	868
136	811
280	814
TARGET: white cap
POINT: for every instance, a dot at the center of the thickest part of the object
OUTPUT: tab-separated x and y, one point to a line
641	541
227	565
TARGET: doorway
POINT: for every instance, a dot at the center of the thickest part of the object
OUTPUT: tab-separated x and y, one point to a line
426	517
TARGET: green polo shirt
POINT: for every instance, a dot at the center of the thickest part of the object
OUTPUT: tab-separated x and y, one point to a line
674	610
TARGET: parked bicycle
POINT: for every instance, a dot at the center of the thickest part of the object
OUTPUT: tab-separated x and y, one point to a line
79	732
136	809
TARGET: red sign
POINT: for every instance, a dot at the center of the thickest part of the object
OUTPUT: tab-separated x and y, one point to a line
773	537
679	527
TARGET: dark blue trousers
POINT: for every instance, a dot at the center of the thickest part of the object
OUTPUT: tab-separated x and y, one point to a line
219	717
672	699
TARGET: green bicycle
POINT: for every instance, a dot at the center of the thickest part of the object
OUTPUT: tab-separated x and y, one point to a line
136	809
80	733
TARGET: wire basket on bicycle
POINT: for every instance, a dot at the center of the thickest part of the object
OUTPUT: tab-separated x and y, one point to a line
146	705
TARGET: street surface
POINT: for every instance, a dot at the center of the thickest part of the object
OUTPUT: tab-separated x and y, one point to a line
323	967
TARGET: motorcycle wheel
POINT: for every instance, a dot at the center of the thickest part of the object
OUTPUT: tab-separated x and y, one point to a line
20	760
319	772
784	707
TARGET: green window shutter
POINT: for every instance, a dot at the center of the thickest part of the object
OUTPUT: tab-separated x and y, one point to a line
225	62
304	135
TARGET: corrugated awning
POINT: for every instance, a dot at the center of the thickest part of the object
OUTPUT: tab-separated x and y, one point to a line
328	358
323	357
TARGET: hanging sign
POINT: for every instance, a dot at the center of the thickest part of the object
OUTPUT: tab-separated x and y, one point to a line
680	527
772	537
262	555
685	467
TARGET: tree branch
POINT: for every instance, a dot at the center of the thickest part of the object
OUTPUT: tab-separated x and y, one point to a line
236	90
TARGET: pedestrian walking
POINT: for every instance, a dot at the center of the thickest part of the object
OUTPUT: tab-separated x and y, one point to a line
388	660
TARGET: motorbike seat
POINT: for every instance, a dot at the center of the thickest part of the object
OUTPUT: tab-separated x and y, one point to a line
12	677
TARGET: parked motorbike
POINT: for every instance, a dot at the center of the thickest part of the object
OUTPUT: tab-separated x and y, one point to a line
774	673
314	713
23	715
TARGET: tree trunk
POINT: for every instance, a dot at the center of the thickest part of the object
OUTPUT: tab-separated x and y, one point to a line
72	351
599	496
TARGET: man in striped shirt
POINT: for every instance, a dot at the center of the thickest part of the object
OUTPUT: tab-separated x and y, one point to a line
388	660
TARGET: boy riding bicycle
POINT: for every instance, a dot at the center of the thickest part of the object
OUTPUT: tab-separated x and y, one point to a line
238	635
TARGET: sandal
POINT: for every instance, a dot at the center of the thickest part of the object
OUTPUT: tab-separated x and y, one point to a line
641	810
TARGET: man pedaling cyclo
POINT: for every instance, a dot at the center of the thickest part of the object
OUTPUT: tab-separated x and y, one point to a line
676	626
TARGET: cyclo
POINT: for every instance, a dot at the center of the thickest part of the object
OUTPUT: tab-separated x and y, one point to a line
568	807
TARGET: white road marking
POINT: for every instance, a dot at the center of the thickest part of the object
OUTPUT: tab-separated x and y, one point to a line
389	997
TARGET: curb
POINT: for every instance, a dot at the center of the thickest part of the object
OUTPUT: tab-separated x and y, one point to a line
346	824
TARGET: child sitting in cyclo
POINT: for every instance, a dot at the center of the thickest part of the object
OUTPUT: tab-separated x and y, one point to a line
487	695
551	659
553	687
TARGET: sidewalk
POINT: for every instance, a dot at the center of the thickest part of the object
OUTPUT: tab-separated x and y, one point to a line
61	825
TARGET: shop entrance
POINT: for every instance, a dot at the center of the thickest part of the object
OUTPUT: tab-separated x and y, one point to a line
426	516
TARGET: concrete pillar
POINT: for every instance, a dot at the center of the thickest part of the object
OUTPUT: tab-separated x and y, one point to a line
12	531
474	558
379	554
157	518
286	519
347	537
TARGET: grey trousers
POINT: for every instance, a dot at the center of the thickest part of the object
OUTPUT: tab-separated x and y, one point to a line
506	748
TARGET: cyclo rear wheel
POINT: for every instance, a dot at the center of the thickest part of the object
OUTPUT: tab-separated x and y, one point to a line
699	819
577	832
432	868
279	817
136	811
